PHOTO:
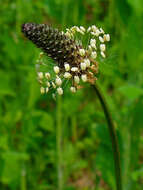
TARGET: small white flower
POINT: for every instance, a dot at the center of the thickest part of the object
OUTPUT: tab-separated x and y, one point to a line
82	52
101	39
74	69
41	54
89	48
83	66
93	55
73	89
42	90
47	75
40	75
67	75
87	62
58	81
67	66
102	47
56	69
84	77
53	84
103	54
48	84
106	37
76	79
47	89
60	91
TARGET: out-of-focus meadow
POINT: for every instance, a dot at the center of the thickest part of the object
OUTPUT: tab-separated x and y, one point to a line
29	136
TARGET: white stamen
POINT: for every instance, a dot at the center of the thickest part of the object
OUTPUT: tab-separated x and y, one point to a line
76	79
87	62
103	54
93	43
74	69
84	77
47	89
60	91
106	37
42	90
93	55
97	32
67	66
56	69
101	39
89	29
82	28
94	28
67	75
83	66
102	47
48	84
73	89
47	75
82	52
101	31
40	75
53	84
58	81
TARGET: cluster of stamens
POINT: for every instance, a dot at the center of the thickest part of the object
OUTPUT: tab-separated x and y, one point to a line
78	65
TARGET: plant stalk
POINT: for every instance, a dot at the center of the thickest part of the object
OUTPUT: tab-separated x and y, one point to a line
113	136
59	145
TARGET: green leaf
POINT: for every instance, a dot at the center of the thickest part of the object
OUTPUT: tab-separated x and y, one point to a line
131	92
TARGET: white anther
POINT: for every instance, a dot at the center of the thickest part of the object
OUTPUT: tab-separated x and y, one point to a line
58	81
67	66
82	52
87	62
83	66
94	28
101	39
53	84
102	47
93	43
84	77
56	69
89	29
73	89
47	75
48	84
60	91
106	37
82	28
93	55
40	75
103	54
101	31
74	69
76	79
47	89
97	32
67	75
42	90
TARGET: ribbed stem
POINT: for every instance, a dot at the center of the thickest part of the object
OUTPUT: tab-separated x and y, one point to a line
59	146
113	136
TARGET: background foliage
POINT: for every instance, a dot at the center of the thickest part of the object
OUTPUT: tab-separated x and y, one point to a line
28	121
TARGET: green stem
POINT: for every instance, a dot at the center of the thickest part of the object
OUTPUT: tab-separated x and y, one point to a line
59	145
113	136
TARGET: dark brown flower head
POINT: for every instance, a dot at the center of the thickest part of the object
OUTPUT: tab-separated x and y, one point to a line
73	61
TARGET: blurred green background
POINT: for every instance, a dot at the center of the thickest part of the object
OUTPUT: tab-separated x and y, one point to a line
31	154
